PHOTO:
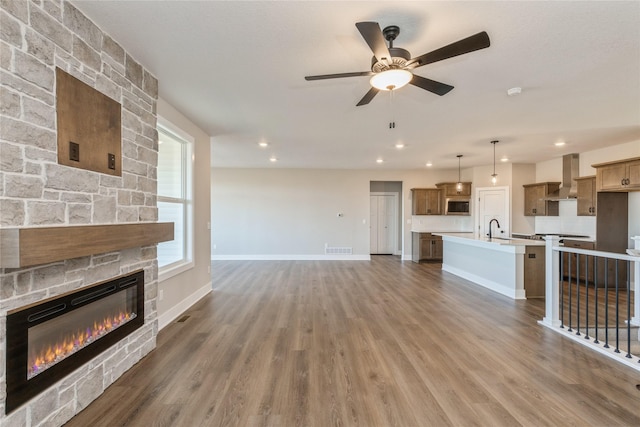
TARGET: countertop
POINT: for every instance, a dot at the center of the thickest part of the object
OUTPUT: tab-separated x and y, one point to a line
441	231
562	236
503	241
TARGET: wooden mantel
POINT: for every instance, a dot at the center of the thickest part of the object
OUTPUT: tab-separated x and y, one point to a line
29	246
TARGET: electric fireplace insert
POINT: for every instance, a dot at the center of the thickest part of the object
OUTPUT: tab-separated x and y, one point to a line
49	339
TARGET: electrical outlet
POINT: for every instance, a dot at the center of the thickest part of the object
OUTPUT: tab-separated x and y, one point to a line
161	294
209	269
74	151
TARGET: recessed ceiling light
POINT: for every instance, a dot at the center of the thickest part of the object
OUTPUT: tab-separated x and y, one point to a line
514	91
379	161
399	145
429	164
559	143
262	144
273	159
504	159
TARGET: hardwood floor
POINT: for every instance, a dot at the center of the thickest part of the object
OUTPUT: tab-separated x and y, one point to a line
359	343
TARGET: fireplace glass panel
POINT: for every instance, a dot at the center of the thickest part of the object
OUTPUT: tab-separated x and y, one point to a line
53	341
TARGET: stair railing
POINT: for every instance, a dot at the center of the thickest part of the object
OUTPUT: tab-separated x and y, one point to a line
580	287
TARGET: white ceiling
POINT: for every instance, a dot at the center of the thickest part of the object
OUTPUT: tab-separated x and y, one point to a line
236	69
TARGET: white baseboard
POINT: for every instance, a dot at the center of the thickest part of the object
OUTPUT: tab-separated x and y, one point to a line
182	306
311	257
489	284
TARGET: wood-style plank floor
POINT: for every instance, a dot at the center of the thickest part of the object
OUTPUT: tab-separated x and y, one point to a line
359	343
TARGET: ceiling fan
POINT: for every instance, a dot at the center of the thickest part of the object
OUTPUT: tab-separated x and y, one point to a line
391	67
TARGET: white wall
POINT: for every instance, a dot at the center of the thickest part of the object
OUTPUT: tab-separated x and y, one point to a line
288	211
521	174
184	289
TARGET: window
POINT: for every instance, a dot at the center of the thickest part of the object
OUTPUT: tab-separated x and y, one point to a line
175	204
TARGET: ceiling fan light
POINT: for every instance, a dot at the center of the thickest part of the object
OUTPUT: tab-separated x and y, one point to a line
391	79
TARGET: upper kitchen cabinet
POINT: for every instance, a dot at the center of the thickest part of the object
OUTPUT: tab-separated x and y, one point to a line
450	189
535	203
622	175
587	199
426	201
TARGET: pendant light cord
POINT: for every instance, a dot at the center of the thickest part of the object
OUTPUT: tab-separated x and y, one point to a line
459	184
494	176
494	157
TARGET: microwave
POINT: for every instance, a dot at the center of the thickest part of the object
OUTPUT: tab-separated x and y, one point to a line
457	206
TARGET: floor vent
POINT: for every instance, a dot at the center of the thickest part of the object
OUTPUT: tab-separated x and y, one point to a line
337	251
182	319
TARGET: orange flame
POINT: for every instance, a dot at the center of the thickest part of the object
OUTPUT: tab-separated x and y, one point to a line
51	354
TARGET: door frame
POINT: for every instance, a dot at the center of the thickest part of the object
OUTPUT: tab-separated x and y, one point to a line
507	207
395	225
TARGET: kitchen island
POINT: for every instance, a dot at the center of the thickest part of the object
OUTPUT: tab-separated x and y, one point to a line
511	267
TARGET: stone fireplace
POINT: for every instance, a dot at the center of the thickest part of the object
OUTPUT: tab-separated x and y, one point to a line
36	191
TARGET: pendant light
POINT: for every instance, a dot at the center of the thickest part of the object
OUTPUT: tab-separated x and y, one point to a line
459	184
494	176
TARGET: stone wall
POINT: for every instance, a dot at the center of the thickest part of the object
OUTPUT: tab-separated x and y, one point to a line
36	37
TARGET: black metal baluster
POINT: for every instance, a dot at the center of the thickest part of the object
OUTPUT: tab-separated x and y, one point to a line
578	292
606	302
617	350
586	291
629	309
595	284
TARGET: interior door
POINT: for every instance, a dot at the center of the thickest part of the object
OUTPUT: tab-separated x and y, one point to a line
493	203
382	224
373	224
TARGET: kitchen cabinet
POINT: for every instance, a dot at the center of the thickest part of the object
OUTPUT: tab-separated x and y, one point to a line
587	200
623	175
449	189
534	271
426	201
426	247
534	199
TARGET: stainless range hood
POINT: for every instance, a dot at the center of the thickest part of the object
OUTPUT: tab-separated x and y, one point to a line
570	171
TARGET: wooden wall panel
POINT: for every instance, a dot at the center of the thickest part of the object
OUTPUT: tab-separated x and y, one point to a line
90	119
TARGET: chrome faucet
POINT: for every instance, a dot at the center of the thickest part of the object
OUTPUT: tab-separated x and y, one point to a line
497	223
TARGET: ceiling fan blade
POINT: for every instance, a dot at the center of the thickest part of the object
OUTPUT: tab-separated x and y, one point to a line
368	97
372	34
470	44
431	85
337	76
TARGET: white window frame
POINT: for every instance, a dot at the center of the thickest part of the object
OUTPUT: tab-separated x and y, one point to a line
187	262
